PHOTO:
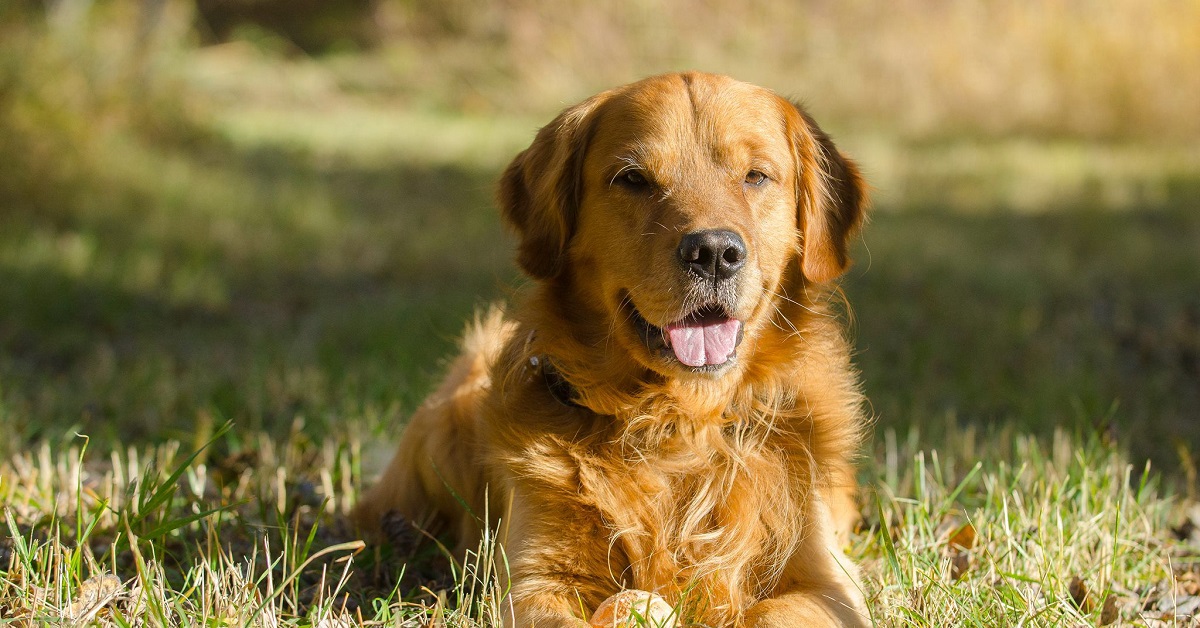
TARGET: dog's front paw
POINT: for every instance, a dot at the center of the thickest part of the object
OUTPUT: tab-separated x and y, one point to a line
403	535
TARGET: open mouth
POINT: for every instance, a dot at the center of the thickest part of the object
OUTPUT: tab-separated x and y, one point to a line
706	339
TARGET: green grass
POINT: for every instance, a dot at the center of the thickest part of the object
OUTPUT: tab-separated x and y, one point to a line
281	251
253	285
255	538
1075	317
1008	531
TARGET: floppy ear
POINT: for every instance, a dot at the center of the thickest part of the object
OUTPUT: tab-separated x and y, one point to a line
830	198
540	190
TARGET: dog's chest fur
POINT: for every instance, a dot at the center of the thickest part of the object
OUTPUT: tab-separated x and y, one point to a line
712	514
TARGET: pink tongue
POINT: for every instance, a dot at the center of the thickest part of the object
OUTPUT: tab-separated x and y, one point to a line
704	343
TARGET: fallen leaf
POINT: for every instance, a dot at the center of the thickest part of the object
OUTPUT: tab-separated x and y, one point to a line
1080	594
1109	611
959	538
1188	583
964	537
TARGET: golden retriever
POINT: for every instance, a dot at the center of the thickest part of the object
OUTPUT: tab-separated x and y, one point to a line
671	406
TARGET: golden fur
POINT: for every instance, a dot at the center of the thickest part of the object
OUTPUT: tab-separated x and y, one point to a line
724	490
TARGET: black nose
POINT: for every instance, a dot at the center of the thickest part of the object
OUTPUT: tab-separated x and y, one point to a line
713	253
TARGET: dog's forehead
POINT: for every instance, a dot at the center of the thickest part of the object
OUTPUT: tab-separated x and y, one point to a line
666	118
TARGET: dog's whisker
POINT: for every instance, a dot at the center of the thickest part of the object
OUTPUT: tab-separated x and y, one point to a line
800	305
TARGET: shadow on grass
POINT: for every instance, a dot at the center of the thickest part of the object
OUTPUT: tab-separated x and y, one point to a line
324	290
1080	318
333	289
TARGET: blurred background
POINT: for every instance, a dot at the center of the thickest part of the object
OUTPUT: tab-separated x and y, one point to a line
280	211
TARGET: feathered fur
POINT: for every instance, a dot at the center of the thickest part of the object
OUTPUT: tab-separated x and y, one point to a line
725	493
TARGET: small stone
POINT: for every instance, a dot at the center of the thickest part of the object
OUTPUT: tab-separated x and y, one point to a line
633	608
95	592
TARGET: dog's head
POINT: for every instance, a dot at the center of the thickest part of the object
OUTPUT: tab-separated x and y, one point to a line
677	215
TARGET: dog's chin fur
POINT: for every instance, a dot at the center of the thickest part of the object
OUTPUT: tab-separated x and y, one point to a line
605	463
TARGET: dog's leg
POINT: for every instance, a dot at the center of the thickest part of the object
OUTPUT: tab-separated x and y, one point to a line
402	487
434	479
808	608
842	497
823	589
833	602
559	558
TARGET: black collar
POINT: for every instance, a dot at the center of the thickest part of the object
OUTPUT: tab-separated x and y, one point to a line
558	386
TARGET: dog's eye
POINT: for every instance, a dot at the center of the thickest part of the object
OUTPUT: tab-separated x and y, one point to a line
633	179
755	178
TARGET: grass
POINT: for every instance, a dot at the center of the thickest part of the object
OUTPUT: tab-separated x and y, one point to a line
1073	534
293	245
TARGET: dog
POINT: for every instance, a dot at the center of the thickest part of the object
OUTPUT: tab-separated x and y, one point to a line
671	405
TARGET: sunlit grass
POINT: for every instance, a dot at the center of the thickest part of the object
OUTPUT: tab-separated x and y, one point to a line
995	531
252	538
970	175
381	135
1009	530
